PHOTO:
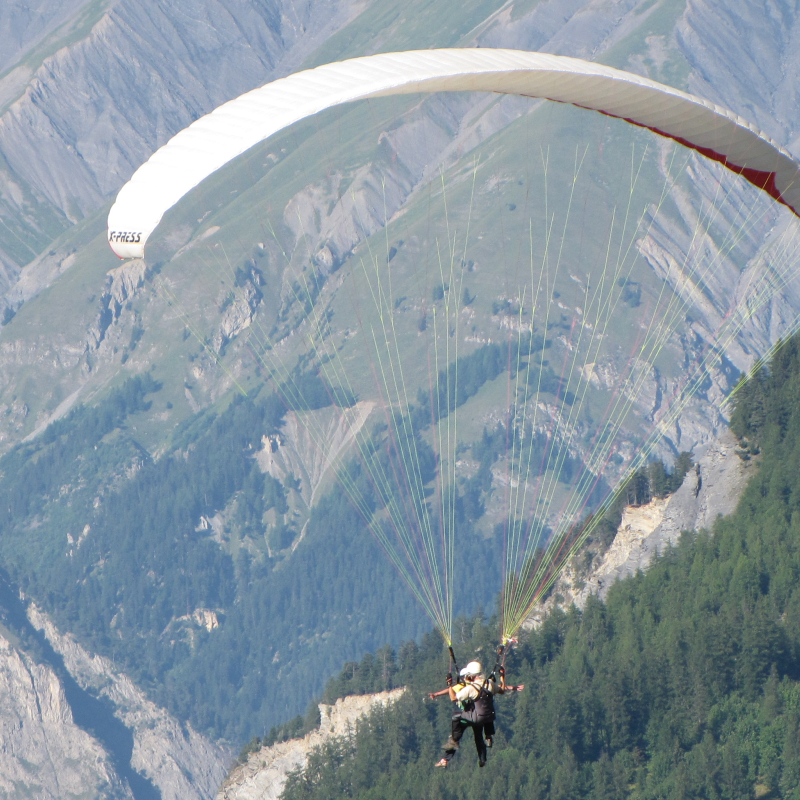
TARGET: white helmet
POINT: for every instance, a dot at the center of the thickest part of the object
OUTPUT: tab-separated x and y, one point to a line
472	669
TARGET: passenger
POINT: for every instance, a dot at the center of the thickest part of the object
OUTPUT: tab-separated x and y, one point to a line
474	695
475	698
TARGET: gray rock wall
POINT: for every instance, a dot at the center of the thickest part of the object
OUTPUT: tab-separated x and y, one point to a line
179	762
78	126
263	775
711	490
72	725
74	127
94	111
26	25
43	753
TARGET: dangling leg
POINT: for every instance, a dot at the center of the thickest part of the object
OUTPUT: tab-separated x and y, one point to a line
488	732
457	726
480	744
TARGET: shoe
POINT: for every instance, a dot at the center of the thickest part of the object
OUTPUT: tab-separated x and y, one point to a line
488	741
441	763
450	744
481	763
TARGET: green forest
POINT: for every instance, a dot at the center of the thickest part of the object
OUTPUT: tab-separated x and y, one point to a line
684	683
108	540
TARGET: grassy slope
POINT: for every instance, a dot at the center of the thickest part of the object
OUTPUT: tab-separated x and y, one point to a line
30	223
345	138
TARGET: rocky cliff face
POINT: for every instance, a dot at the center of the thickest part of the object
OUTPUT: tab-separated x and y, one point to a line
110	82
26	25
71	138
178	761
711	490
74	726
264	773
43	753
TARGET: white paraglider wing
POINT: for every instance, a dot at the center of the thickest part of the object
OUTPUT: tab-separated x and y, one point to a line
233	128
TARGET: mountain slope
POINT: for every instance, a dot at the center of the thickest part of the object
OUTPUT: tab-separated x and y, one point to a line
683	683
126	79
72	725
317	198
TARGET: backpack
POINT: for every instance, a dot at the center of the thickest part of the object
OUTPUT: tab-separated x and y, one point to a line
481	709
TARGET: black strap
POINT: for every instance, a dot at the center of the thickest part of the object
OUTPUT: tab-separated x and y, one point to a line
453	661
499	662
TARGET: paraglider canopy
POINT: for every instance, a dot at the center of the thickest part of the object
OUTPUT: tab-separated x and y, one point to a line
236	126
586	314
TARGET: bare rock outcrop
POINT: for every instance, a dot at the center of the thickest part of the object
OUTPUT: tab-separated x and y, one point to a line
263	775
120	286
181	763
238	314
125	280
164	66
43	753
24	25
98	87
310	443
712	489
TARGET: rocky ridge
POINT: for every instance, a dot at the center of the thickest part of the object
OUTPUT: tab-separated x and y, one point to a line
43	134
69	140
26	25
332	216
264	773
710	490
